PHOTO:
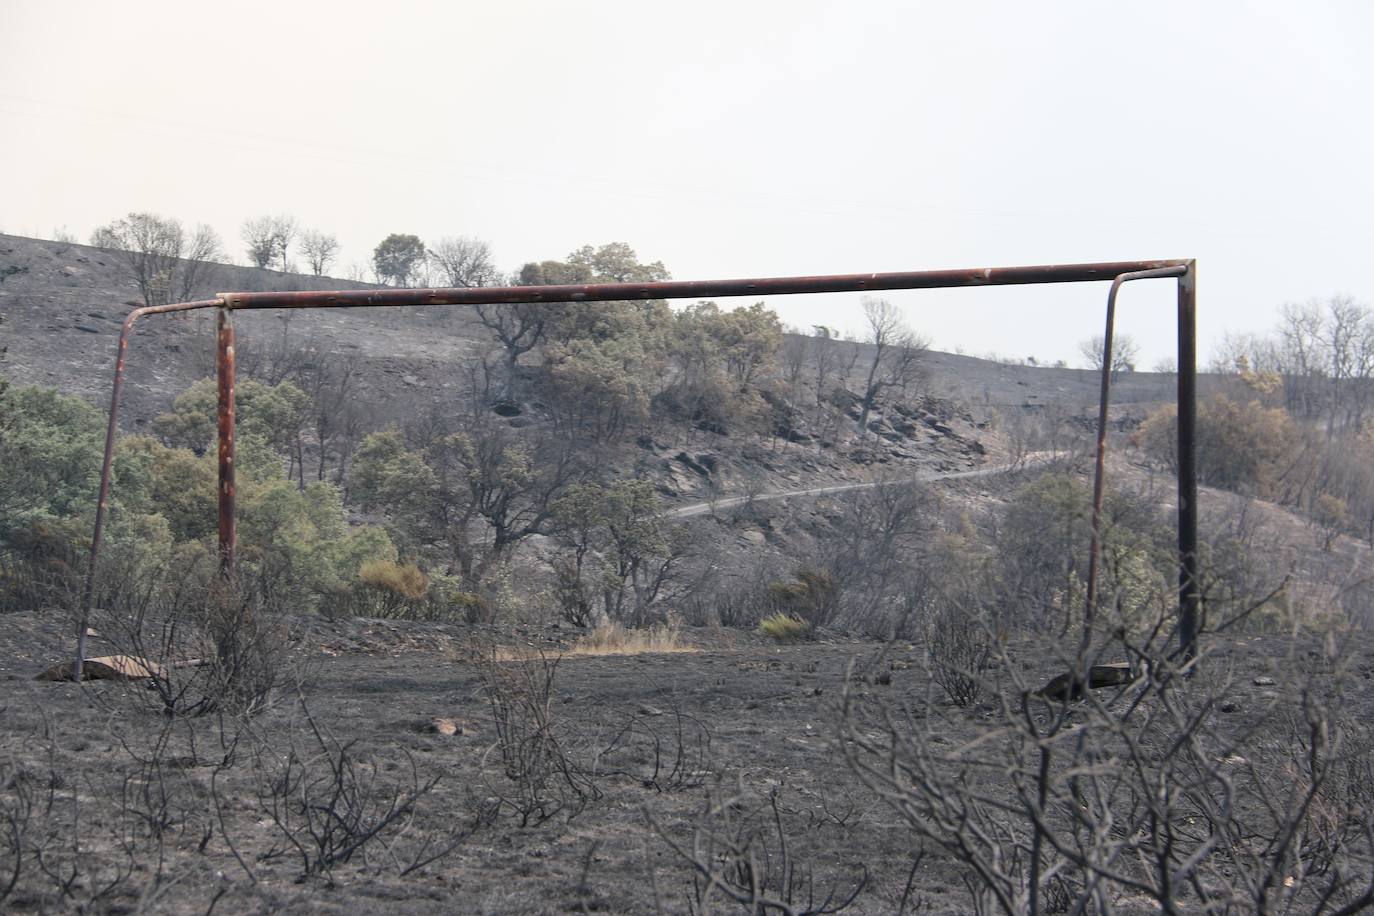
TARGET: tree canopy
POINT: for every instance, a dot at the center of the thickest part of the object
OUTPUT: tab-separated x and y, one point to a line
397	257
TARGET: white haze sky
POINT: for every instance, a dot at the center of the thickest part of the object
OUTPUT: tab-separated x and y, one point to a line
738	138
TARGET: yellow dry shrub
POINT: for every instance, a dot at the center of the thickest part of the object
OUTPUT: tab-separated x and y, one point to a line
402	579
784	628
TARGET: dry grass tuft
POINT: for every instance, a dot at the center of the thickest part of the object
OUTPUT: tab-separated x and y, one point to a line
616	640
608	640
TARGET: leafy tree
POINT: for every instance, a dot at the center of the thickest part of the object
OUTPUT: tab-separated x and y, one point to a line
617	263
641	551
386	476
512	485
51	448
604	363
1042	551
476	494
275	413
1331	516
720	358
175	483
613	263
623	552
297	550
554	273
397	257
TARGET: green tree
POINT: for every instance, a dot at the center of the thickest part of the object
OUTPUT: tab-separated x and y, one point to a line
274	413
175	483
602	384
296	547
388	477
721	357
642	551
475	494
612	263
622	552
50	453
397	257
617	263
1331	516
554	273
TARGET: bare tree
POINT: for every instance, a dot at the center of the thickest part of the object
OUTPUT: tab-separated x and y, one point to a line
464	261
1349	340
285	229
268	238
319	249
199	261
795	348
1300	334
897	353
151	246
519	327
260	237
1125	352
822	350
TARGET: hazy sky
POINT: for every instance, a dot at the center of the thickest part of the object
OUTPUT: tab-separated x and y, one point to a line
736	139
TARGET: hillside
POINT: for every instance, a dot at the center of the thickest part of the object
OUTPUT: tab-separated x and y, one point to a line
63	304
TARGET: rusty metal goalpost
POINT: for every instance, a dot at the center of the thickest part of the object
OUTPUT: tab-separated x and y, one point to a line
1184	271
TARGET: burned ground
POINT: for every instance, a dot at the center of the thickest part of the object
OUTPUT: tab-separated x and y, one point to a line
120	809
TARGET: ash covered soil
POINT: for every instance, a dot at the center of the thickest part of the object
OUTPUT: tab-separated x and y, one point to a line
211	814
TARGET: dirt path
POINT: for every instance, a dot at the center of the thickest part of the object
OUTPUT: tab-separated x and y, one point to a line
729	502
